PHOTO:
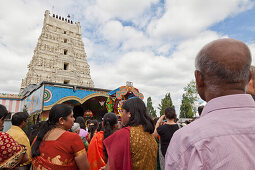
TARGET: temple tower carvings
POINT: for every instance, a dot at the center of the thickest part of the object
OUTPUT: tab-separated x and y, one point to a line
59	55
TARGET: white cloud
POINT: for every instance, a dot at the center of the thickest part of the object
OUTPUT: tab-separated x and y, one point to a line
154	75
187	18
125	9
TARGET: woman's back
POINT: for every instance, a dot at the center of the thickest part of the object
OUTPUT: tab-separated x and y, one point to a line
95	152
60	153
166	132
143	149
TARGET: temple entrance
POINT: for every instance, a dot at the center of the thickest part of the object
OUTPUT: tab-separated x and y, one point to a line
93	108
96	106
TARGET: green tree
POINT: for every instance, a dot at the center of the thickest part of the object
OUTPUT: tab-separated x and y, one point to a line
150	108
189	98
165	102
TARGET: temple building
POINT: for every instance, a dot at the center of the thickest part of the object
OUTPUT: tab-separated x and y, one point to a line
58	73
59	55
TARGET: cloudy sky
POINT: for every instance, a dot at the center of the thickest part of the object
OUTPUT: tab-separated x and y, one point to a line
152	43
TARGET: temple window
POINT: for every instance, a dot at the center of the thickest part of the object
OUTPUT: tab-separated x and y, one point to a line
66	66
66	81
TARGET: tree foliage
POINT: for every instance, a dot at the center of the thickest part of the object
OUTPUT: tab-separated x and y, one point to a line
165	102
189	98
150	108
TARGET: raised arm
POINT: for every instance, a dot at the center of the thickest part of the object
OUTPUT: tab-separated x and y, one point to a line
159	122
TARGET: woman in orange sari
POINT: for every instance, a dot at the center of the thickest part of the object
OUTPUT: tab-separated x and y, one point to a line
97	155
55	148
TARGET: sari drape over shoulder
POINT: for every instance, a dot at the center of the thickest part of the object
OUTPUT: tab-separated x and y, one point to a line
118	150
11	153
95	152
131	148
60	153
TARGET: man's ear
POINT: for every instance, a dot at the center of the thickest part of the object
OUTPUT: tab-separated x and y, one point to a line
199	79
200	84
250	76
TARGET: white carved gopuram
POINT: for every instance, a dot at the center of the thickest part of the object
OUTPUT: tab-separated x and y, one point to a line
59	55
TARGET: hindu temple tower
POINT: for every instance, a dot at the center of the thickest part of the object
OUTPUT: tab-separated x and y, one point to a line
59	55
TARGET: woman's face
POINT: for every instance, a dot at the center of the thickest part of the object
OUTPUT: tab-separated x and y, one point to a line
68	123
125	116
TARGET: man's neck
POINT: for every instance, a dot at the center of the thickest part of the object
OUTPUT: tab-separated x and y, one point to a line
21	127
223	92
170	121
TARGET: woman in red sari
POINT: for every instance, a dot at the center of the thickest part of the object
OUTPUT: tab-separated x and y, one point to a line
11	153
133	147
97	156
55	148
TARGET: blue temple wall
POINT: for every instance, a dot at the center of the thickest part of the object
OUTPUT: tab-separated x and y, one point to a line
54	95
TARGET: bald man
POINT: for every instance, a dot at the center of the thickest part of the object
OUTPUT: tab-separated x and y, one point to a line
224	137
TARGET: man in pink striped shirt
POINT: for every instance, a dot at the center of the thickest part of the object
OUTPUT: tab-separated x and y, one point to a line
224	137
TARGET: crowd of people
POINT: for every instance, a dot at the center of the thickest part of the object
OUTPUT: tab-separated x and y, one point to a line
221	138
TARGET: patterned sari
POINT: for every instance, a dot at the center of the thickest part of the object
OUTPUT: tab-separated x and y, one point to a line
11	153
131	148
95	152
59	154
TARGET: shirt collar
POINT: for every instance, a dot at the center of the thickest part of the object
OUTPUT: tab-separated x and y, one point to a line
229	101
16	128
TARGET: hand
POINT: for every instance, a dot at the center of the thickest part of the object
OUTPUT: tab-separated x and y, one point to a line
161	118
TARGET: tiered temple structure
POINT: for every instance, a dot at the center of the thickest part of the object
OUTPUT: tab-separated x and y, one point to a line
59	56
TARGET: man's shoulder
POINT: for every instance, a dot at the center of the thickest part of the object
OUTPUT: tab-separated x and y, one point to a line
213	125
12	132
161	127
191	133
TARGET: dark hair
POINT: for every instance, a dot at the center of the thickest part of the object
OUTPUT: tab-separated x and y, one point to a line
200	109
139	115
110	119
170	113
92	128
19	117
56	112
3	112
81	121
34	129
155	120
187	122
100	126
